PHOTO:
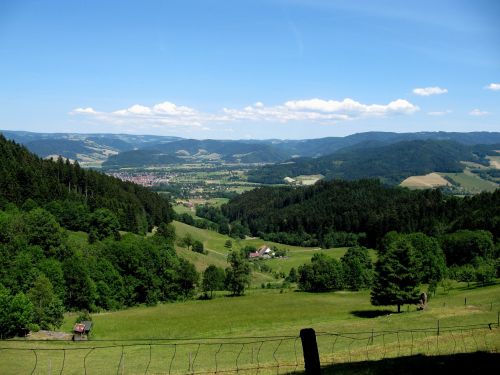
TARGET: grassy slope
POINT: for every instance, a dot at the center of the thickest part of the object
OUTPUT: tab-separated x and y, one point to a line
269	312
217	252
261	312
266	313
471	182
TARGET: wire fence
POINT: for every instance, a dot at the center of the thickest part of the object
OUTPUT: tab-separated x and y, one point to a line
245	355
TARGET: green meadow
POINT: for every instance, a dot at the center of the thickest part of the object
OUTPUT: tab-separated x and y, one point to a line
258	332
230	332
214	244
470	182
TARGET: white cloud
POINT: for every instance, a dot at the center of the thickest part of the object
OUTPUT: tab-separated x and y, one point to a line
136	109
88	111
439	113
312	110
319	110
427	91
478	112
493	87
170	108
350	106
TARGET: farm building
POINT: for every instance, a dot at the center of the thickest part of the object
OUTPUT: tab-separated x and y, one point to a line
263	252
81	330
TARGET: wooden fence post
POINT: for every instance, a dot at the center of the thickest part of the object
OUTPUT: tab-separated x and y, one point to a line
310	349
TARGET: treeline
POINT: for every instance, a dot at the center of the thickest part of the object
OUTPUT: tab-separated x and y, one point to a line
211	218
405	261
25	176
46	270
331	212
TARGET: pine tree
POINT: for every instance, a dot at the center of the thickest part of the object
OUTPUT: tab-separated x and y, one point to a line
238	275
397	281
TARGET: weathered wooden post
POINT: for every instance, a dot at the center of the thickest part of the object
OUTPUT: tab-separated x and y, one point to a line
310	349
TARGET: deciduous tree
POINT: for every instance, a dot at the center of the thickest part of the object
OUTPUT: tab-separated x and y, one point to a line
213	279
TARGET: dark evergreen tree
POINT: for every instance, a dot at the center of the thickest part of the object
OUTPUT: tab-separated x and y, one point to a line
198	247
238	274
80	289
397	277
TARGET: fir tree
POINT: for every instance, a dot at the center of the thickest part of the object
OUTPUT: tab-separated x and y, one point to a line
397	281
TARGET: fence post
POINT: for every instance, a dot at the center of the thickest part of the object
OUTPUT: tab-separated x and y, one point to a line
438	328
310	349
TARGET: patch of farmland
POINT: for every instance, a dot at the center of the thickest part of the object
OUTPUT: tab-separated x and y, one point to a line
428	181
471	183
494	161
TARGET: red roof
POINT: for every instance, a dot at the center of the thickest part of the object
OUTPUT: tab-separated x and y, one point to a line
79	327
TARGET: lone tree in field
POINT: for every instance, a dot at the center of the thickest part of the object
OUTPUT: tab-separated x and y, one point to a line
238	275
357	267
397	280
213	279
198	247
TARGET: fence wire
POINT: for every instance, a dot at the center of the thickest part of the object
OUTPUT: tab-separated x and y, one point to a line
245	355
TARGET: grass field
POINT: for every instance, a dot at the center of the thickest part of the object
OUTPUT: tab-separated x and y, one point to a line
260	328
261	313
217	252
470	182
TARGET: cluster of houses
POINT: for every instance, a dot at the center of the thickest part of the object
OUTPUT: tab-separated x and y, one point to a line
263	252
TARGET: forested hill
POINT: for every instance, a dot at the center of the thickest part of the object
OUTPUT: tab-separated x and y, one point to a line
193	150
317	215
390	163
70	191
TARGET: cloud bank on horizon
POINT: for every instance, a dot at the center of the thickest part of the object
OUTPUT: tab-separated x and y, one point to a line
314	110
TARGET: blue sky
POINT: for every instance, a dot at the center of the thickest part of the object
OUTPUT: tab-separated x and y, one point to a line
249	69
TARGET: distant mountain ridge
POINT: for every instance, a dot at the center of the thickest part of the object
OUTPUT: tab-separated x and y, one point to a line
123	150
85	148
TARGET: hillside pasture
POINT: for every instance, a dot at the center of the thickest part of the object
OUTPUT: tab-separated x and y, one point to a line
470	182
214	242
229	333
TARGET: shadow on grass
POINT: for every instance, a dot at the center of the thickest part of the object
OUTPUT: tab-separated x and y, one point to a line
474	285
466	364
371	313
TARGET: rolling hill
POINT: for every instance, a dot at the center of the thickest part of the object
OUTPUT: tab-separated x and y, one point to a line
24	176
391	163
93	149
